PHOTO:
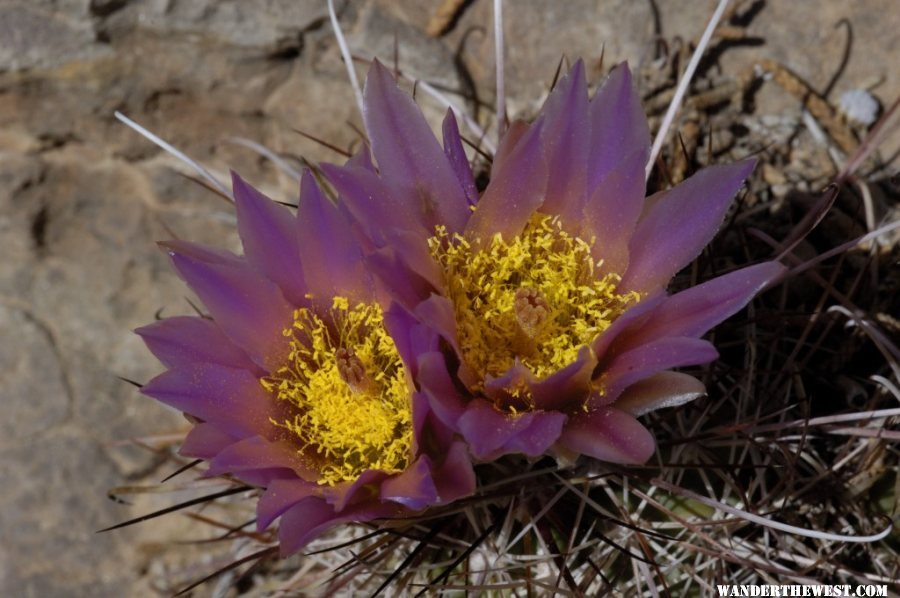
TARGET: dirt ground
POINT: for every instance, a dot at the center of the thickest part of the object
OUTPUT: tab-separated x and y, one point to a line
83	198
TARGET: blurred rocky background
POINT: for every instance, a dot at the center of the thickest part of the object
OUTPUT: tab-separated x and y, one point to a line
83	199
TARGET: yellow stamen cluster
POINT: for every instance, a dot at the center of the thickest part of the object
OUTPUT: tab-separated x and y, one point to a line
539	297
347	385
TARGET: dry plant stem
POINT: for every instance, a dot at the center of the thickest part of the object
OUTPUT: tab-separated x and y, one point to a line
768	522
498	58
818	107
203	172
265	152
683	85
348	59
443	17
870	143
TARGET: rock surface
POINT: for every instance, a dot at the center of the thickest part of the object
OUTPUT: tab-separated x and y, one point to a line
83	198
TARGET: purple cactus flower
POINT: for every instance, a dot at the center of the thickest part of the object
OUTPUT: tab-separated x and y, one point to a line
301	381
549	288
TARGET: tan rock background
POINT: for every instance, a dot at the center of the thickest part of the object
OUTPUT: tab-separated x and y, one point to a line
83	198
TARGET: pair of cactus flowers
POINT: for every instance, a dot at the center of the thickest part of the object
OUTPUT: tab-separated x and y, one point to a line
364	353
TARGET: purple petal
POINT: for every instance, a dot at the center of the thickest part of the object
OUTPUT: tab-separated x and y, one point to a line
646	360
618	125
202	253
514	133
610	435
280	496
676	228
612	210
499	387
269	237
455	478
446	401
437	313
362	159
311	516
456	155
343	494
249	308
398	283
491	434
567	386
373	203
566	139
205	441
258	453
696	310
413	488
634	316
189	339
332	259
665	389
516	191
231	398
409	155
413	249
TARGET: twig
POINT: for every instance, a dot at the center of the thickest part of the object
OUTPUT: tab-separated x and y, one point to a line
684	84
348	59
498	58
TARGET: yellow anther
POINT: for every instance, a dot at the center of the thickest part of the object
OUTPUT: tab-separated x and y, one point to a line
538	297
347	384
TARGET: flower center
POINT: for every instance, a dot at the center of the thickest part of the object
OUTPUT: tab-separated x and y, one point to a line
538	297
348	387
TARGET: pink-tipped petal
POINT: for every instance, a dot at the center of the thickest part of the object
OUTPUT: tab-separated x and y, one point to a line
269	237
665	389
566	142
332	259
696	310
249	308
618	125
516	190
409	155
413	488
680	224
190	339
456	155
231	398
646	360
610	435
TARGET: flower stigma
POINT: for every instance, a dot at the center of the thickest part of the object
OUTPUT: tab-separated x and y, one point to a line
538	298
347	385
